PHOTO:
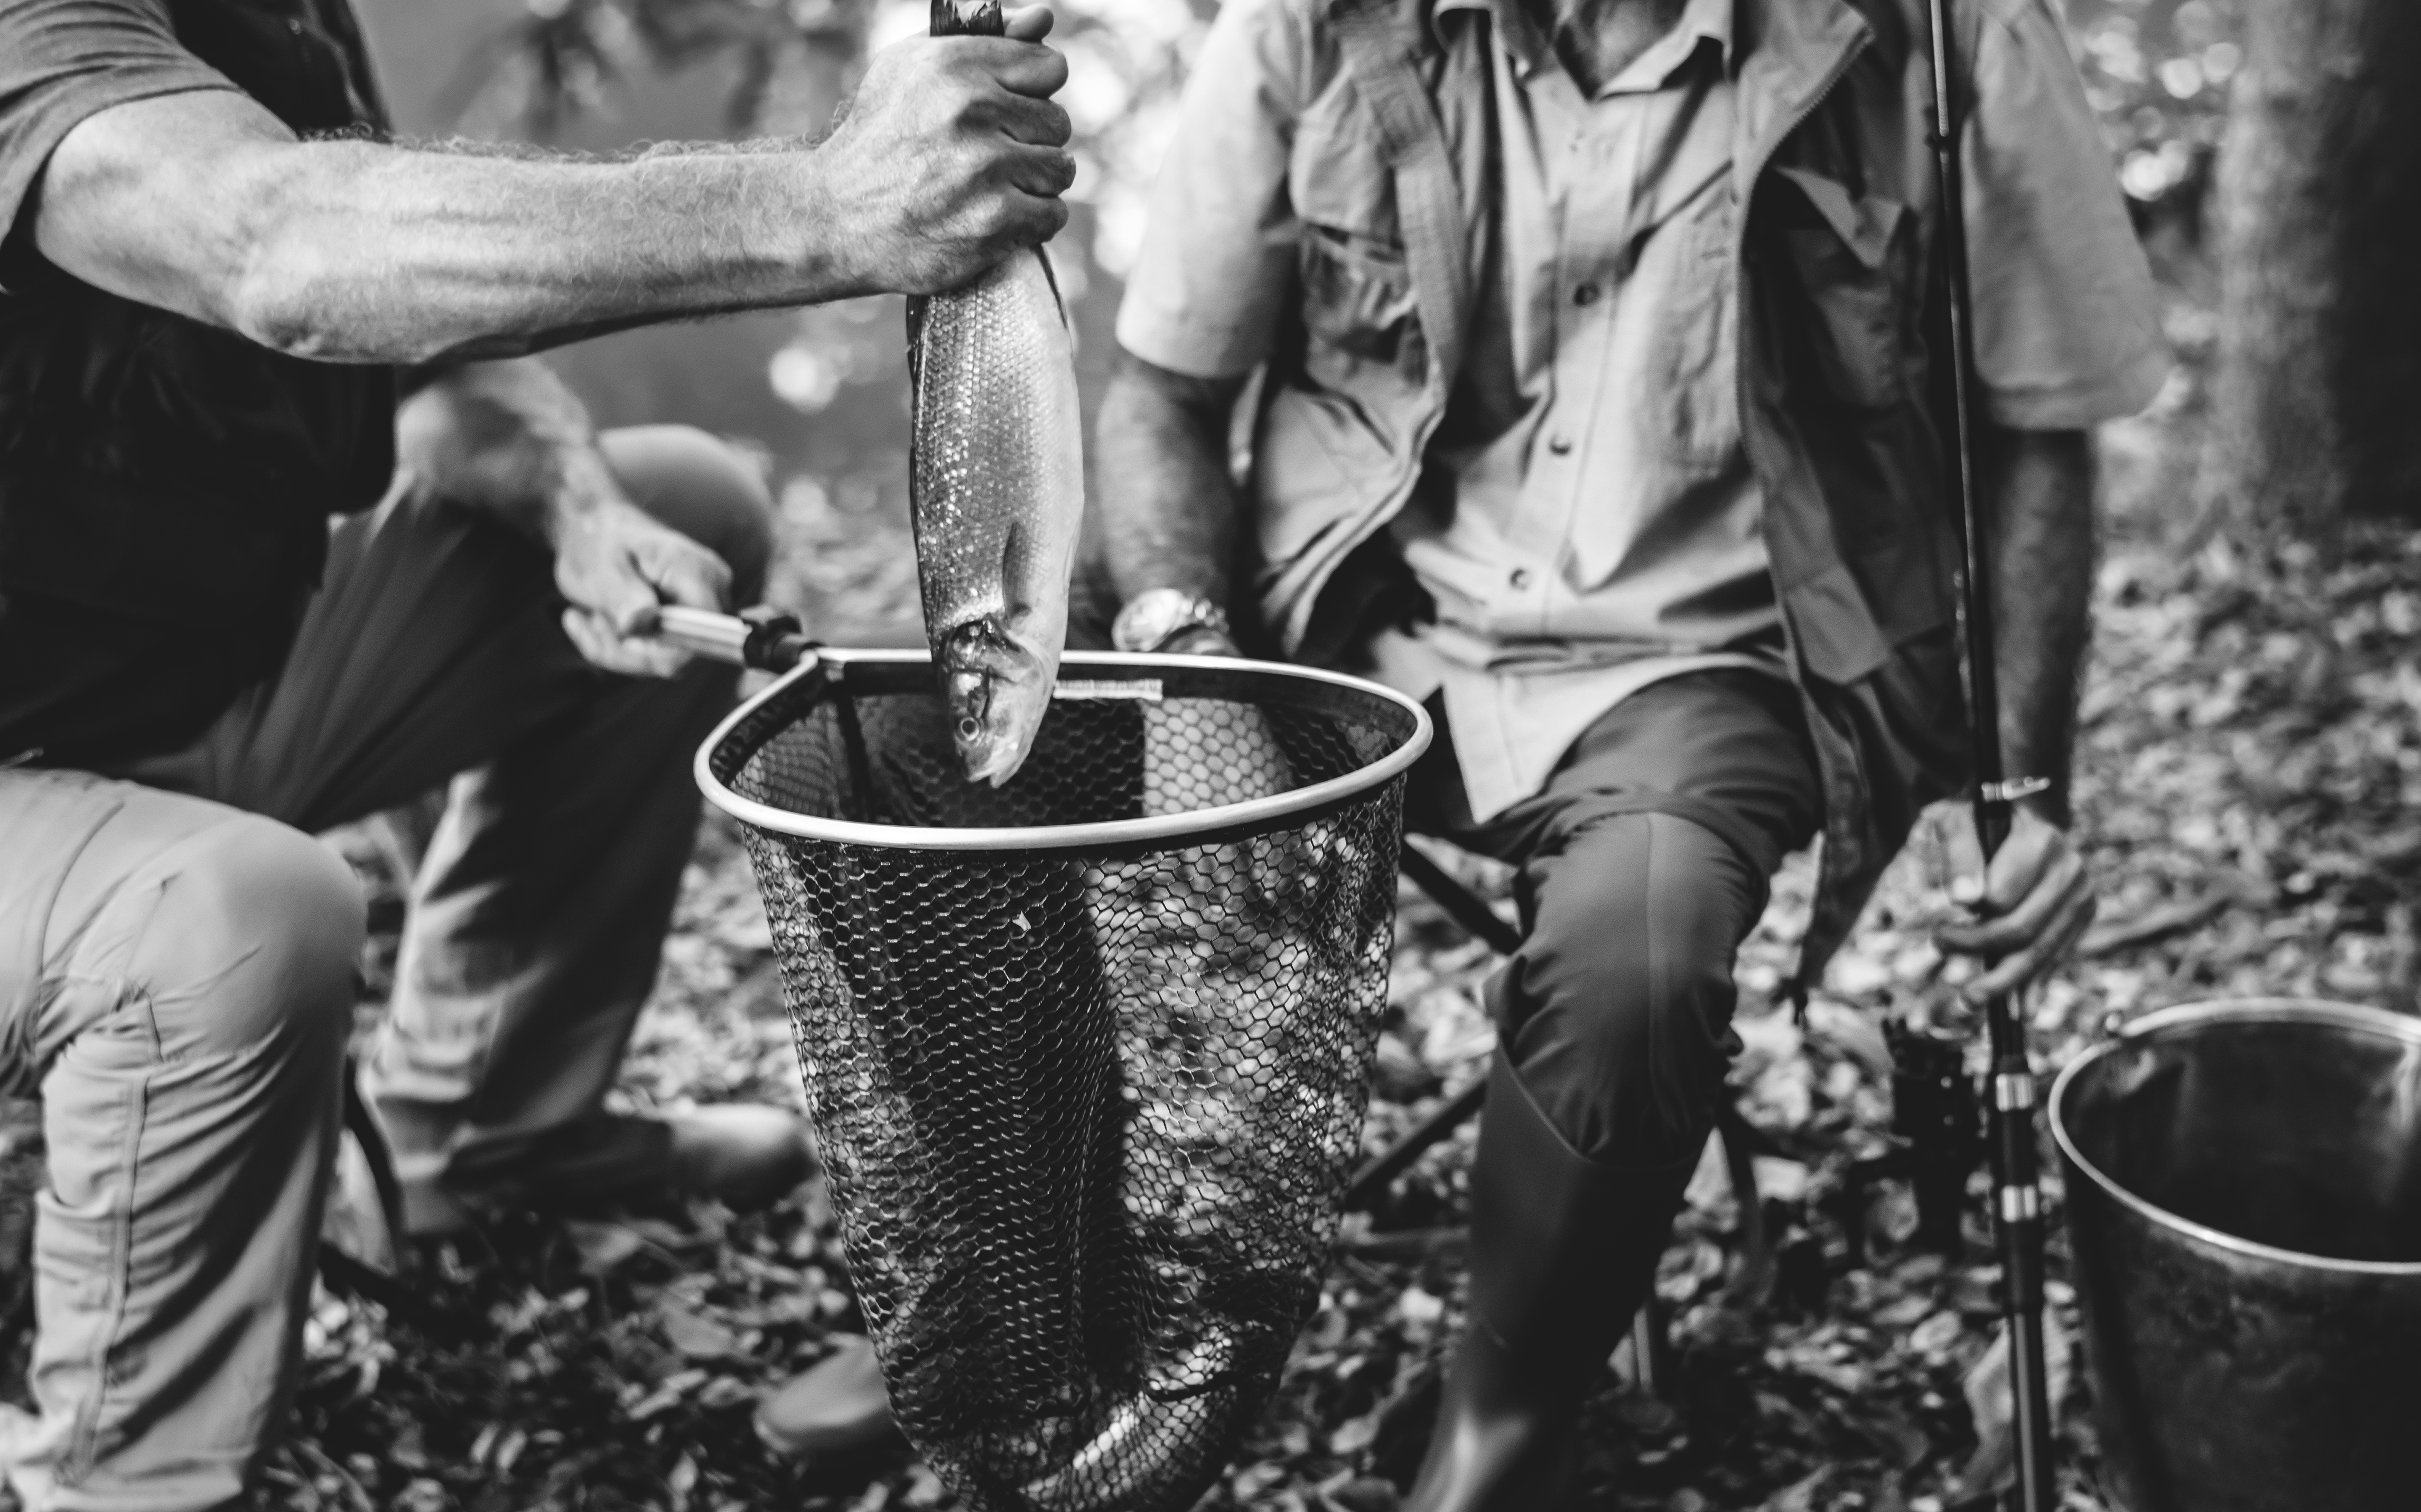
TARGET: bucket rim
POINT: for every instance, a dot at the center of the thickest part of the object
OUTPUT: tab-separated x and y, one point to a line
2230	1010
1194	826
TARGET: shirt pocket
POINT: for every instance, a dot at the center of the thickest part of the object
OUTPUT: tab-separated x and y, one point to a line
1692	372
1358	306
1852	261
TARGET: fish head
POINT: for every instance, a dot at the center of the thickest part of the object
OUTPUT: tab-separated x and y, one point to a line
997	690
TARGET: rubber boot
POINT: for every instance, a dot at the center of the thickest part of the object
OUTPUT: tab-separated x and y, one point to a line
1563	1252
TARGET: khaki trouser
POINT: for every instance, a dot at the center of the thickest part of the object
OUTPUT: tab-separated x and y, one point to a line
177	958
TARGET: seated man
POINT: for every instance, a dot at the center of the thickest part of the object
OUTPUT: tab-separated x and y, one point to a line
1599	349
218	280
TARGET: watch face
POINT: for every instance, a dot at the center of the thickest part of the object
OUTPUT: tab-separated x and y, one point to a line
1162	619
1159	614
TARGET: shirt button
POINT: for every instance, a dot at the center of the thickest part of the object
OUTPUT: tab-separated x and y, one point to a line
1521	577
1585	294
1560	445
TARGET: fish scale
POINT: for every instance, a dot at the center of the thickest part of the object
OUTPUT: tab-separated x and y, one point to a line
996	488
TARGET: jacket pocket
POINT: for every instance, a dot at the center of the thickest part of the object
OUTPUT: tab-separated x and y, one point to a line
1358	306
1853	261
1693	365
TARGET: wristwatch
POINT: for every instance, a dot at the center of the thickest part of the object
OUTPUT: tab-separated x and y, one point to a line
1156	617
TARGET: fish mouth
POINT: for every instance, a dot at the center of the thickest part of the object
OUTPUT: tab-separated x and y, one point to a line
996	696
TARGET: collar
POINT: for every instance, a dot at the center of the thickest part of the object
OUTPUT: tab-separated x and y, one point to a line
1701	21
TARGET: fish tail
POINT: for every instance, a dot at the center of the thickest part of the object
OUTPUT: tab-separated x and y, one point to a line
968	18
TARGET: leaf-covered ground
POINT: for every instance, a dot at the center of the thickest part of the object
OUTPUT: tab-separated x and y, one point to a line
2248	783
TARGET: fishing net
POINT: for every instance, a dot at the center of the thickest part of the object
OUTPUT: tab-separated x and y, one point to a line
1088	1053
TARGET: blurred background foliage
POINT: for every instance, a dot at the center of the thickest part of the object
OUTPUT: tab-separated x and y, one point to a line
822	393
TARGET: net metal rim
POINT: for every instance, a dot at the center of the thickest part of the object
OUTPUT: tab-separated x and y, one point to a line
1188	826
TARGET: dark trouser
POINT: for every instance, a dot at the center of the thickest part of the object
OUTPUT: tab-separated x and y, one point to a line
176	967
436	651
1642	866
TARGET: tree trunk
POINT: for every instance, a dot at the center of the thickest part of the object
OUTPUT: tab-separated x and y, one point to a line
2316	403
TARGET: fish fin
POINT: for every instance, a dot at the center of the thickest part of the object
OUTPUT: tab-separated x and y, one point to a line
918	304
1011	541
1051	276
968	18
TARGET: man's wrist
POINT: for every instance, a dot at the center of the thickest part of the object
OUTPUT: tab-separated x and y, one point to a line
2017	790
803	244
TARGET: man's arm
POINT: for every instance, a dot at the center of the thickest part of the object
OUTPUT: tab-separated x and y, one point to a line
2036	492
1171	521
349	251
509	439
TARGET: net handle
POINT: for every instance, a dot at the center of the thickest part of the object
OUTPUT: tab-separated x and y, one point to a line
763	638
1092	671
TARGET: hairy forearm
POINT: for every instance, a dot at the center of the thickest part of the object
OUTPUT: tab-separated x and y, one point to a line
505	437
1171	504
2036	489
347	250
361	252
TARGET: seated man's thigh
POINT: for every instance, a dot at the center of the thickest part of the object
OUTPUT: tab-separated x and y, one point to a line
1643	865
1616	1012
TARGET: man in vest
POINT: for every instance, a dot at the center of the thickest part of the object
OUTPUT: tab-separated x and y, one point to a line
229	309
1598	347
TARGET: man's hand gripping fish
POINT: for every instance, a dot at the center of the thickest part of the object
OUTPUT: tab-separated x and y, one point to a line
996	485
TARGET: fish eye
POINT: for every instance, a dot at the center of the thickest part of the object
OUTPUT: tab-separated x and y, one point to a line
969	730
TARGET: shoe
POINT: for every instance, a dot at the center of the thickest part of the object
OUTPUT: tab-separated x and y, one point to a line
1563	1251
742	1155
837	1409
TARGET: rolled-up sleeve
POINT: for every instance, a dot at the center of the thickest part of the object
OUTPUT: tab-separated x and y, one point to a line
2067	325
1219	252
63	61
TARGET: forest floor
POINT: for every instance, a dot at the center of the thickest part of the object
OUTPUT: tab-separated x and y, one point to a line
2249	785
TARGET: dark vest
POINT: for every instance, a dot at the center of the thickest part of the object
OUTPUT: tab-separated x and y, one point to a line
156	469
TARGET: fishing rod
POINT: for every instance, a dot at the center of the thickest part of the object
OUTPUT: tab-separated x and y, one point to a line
2017	1197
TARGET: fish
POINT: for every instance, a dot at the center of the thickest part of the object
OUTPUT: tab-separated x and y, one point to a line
996	485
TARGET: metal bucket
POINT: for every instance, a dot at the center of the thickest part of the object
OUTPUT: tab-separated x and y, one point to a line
2245	1204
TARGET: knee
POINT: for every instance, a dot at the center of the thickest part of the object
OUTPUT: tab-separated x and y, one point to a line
704	488
253	936
1617	1012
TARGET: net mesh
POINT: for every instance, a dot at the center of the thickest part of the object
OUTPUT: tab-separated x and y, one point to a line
1087	1111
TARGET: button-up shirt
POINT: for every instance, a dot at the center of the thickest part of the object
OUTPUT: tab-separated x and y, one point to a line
1600	527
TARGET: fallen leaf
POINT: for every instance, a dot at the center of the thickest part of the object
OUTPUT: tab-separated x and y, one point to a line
697	1336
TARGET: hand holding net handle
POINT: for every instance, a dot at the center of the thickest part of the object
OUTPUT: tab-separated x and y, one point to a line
763	637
